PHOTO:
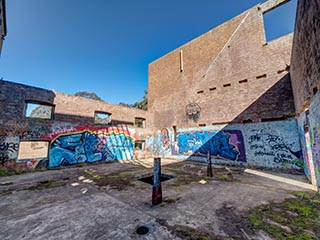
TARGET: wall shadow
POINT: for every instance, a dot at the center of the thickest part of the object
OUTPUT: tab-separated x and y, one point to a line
228	143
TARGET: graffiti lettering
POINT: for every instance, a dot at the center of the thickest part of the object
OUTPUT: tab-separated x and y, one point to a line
61	130
270	145
90	147
30	134
9	147
225	144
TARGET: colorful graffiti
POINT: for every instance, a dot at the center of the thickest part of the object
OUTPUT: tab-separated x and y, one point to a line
271	146
316	149
226	144
91	145
34	131
9	146
165	138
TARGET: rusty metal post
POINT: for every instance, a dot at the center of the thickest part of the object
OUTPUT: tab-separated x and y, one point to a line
156	189
209	167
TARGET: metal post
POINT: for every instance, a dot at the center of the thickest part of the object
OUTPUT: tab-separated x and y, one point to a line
156	190
209	167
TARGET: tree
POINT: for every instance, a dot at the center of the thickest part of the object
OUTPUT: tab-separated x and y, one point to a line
125	104
41	111
88	95
143	104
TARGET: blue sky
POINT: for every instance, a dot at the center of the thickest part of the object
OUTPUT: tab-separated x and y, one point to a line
105	46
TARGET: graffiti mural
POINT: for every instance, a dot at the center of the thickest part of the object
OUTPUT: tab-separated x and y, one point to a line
9	146
34	131
226	144
165	138
193	111
91	145
315	148
271	146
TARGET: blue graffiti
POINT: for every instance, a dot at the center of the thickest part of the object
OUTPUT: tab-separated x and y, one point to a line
203	142
88	147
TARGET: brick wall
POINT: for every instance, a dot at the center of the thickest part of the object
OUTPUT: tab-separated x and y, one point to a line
71	135
305	74
305	68
230	74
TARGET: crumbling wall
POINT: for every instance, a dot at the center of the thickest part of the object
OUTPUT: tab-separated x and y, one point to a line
69	135
305	75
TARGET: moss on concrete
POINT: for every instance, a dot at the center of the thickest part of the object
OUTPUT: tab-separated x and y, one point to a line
296	218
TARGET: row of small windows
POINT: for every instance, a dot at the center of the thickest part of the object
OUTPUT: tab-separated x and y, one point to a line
246	80
240	82
45	111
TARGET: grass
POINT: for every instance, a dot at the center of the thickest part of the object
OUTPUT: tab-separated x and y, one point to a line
14	171
90	173
297	218
46	184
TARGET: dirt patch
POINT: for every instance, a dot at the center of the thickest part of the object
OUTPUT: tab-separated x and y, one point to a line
119	180
188	233
46	184
189	174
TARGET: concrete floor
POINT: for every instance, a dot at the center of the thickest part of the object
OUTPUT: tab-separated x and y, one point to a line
63	204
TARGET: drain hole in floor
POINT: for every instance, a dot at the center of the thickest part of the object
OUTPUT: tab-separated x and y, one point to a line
149	179
142	230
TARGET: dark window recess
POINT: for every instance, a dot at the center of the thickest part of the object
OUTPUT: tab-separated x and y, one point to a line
243	81
281	71
227	85
220	123
315	90
138	145
247	121
202	125
200	92
39	110
139	122
273	119
261	76
174	133
101	117
212	89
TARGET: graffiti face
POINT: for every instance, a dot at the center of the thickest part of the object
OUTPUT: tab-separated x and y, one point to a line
90	147
193	111
165	138
225	144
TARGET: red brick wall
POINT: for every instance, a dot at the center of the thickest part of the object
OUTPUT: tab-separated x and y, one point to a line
305	68
231	52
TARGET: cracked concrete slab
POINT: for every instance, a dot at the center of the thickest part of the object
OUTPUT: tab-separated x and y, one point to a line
46	205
